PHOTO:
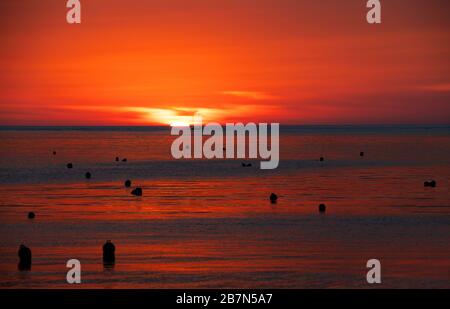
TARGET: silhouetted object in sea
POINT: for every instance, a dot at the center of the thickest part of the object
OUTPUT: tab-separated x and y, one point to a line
127	183
54	152
31	215
88	175
117	159
137	192
24	258
322	208
322	159
246	164
273	198
124	160
361	154
69	165
430	184
109	253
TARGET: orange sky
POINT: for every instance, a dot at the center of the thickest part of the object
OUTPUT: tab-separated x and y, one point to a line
141	62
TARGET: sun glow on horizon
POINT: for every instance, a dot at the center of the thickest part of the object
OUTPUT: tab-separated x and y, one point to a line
175	117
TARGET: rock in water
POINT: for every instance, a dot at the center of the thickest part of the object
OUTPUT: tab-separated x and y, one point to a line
117	159
24	258
127	183
137	192
109	253
430	184
124	160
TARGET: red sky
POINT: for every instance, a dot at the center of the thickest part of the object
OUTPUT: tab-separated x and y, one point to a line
139	62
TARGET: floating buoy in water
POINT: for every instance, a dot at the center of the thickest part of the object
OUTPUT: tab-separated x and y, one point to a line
128	183
361	154
109	253
69	165
137	192
322	208
24	258
322	159
124	160
31	215
88	175
430	184
54	152
117	159
273	198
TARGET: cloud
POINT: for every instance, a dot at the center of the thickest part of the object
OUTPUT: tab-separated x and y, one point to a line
254	95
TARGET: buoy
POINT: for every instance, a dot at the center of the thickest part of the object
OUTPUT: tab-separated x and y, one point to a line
88	175
117	159
24	258
69	165
31	215
321	159
322	208
137	191
109	253
54	152
273	198
361	154
127	183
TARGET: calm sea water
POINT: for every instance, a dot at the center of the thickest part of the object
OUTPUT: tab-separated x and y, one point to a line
209	223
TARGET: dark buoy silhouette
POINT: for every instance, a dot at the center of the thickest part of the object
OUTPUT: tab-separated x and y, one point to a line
24	258
54	152
127	183
430	184
322	159
137	192
124	160
117	159
88	175
31	215
246	164
361	154
322	208
109	253
273	198
69	165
